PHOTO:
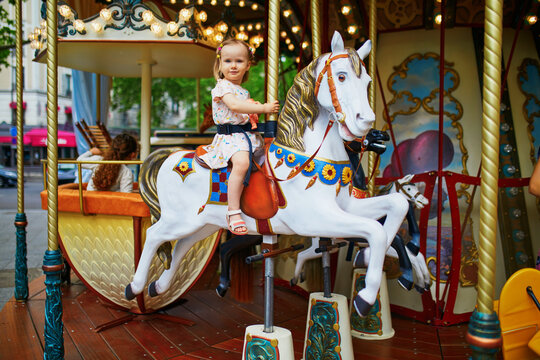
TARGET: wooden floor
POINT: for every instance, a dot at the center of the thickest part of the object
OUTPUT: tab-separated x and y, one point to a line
217	333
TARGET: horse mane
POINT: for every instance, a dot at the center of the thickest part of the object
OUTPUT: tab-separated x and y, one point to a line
301	108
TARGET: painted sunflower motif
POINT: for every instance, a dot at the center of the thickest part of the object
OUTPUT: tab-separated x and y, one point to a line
291	158
279	151
184	166
310	167
329	172
346	175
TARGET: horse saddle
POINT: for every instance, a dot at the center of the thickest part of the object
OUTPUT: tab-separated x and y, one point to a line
262	197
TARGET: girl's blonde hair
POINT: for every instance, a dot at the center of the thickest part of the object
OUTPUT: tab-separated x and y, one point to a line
122	147
217	68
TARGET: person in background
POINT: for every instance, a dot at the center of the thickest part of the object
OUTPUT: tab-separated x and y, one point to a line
534	189
112	177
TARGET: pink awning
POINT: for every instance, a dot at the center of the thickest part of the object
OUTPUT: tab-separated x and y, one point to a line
38	137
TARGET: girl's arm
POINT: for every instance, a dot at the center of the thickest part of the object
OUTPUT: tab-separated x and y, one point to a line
248	107
92	154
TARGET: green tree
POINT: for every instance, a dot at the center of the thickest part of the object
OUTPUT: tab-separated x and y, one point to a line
126	92
7	33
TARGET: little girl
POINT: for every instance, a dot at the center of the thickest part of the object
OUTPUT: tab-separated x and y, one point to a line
234	140
112	177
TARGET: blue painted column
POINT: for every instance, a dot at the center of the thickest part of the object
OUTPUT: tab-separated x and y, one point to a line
21	267
54	340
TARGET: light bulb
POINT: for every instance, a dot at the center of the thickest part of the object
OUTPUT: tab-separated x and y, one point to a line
291	47
156	28
345	10
258	26
305	44
97	26
283	34
287	13
218	37
147	16
241	3
209	31
105	14
203	16
254	6
185	14
172	27
295	29
438	18
79	25
65	11
351	29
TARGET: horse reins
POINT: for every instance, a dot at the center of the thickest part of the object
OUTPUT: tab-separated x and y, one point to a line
337	107
400	188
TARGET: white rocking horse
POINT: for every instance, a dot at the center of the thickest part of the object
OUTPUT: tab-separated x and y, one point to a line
416	261
326	106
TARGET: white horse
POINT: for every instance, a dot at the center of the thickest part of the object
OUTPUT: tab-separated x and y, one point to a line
315	119
415	261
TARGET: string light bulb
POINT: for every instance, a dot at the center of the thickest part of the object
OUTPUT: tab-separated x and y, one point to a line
156	28
213	2
258	26
242	36
227	3
172	27
105	14
254	6
250	27
65	11
241	3
532	19
147	16
345	10
287	13
223	27
438	19
184	14
305	44
295	29
291	47
209	31
200	2
97	26
79	25
218	37
283	34
203	16
351	29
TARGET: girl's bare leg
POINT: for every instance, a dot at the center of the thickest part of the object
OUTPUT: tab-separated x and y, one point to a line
240	165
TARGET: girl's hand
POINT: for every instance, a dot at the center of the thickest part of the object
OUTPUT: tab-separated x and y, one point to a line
95	151
271	107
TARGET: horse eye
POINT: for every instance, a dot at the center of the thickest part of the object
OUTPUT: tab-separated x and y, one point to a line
341	77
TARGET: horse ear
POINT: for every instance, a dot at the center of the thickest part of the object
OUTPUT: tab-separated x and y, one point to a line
408	177
337	44
364	49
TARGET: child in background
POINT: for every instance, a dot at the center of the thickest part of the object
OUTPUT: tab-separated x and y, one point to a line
234	141
112	177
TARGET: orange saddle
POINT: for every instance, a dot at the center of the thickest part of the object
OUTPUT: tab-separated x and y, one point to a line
262	198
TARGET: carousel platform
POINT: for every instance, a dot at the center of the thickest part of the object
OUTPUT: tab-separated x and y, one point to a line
217	332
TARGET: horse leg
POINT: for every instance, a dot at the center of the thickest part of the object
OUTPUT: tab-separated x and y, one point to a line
422	277
182	247
406	277
301	259
414	231
228	249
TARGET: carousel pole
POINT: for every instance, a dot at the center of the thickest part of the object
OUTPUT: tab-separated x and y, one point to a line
198	90
315	28
146	96
98	98
484	333
372	167
52	262
21	268
274	341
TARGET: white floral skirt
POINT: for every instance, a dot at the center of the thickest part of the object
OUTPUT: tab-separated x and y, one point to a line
223	147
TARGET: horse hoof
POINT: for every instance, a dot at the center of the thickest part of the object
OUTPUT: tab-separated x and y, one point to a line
302	277
128	293
359	259
293	281
405	283
221	289
361	306
420	289
427	288
152	291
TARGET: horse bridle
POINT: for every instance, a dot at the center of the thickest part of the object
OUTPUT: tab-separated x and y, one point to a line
327	69
401	188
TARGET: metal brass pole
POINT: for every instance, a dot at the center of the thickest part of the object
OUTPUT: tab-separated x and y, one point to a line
372	88
21	267
484	333
273	54
146	98
98	98
198	83
52	262
316	28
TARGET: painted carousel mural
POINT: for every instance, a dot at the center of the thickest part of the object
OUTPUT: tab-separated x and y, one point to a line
390	201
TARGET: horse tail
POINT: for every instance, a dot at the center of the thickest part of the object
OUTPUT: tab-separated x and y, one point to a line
148	179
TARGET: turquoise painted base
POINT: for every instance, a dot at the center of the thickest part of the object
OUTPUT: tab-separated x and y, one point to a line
54	339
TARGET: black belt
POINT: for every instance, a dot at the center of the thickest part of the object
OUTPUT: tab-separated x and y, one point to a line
228	129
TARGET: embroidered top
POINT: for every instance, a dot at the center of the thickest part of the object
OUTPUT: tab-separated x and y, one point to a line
223	147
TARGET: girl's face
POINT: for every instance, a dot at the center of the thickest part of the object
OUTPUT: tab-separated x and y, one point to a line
234	62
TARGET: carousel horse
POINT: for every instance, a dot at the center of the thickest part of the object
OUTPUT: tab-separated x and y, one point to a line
411	251
408	260
326	106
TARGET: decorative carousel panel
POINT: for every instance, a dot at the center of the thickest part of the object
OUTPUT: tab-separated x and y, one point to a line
529	84
102	250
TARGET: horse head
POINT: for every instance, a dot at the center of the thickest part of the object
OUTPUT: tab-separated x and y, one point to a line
344	88
336	83
411	192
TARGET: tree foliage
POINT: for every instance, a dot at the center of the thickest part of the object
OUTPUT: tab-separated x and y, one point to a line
7	34
126	93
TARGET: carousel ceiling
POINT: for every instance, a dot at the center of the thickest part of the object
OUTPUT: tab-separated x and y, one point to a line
246	20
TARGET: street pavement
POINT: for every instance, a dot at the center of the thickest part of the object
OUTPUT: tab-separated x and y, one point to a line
36	237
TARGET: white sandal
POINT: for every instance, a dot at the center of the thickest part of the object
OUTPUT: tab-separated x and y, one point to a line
236	224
